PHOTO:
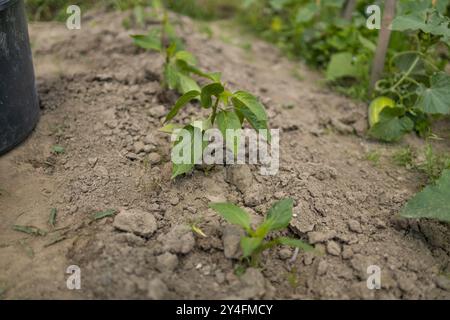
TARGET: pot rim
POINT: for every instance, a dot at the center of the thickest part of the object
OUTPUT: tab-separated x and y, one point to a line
4	4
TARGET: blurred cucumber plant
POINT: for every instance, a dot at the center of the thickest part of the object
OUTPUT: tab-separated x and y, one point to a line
416	87
257	240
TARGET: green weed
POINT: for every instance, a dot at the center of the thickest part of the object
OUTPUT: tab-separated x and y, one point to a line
374	157
404	157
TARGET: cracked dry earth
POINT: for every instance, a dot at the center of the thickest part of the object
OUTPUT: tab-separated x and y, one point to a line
101	100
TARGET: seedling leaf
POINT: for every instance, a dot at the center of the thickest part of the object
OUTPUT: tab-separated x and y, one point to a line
152	41
249	245
186	84
246	99
169	128
212	89
188	144
171	75
182	101
294	243
186	56
232	214
229	120
278	217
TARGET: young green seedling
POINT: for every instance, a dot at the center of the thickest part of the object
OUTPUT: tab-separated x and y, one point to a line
179	63
228	111
254	242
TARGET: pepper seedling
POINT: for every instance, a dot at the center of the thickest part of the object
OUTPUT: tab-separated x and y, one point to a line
228	110
179	64
254	242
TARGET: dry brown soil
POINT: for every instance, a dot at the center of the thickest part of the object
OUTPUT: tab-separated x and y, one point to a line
101	101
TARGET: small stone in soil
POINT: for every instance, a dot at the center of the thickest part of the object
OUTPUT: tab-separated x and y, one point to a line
322	268
154	158
132	156
285	253
136	221
178	240
174	200
333	248
158	111
241	177
149	148
138	147
354	226
316	236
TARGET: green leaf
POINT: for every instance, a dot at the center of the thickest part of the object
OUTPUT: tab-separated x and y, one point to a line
229	120
341	65
433	202
249	101
182	168
187	84
233	214
307	13
429	21
202	124
152	41
294	243
278	217
30	230
171	75
104	214
169	128
212	89
369	45
278	4
249	108
188	68
392	125
58	149
250	245
405	61
214	76
245	113
182	101
52	217
413	21
436	98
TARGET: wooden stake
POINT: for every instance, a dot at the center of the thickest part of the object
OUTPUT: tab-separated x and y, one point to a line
383	43
348	10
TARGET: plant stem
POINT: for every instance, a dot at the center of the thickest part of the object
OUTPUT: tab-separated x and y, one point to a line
406	75
213	117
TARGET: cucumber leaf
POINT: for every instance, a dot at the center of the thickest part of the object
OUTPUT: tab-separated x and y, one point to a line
432	202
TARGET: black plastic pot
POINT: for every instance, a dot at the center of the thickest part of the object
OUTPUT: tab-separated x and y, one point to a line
19	106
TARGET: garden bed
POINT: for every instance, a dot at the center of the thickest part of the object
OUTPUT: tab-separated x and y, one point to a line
102	104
